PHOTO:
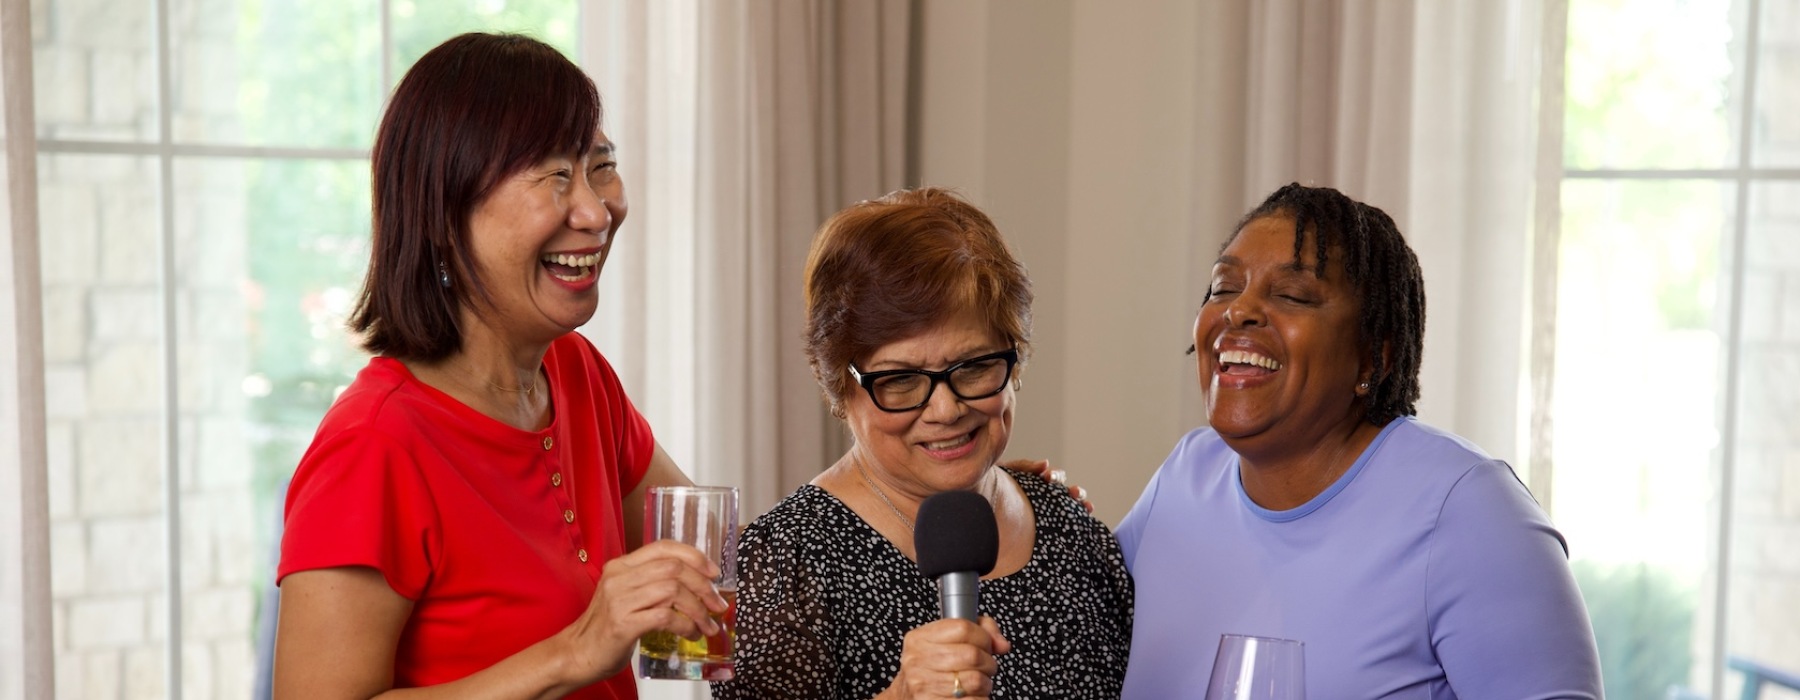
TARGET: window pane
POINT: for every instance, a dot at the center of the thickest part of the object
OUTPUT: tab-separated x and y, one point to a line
276	73
422	24
1639	333
1640	71
1777	131
1763	596
270	257
94	69
103	391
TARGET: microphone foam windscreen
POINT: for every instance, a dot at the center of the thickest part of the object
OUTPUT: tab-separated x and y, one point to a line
956	532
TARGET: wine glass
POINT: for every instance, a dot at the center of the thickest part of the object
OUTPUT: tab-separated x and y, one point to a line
1258	668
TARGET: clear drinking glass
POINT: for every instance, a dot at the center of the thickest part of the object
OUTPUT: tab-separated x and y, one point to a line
705	517
1258	668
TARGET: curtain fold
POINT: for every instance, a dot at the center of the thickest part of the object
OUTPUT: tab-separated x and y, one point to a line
741	126
1472	182
1427	111
25	625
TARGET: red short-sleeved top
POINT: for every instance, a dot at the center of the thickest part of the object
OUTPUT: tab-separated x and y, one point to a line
497	535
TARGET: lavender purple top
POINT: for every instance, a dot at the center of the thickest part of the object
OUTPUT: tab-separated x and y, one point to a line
1426	571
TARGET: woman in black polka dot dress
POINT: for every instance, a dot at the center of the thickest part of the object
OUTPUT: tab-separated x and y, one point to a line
918	325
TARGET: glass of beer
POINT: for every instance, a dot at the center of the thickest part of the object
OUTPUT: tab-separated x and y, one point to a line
706	518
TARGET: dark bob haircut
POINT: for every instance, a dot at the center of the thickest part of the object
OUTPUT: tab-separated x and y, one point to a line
471	112
888	269
1385	273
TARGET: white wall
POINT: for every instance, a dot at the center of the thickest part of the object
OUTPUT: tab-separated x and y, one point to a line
1075	124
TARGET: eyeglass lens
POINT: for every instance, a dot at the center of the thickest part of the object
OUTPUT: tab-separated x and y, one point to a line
970	380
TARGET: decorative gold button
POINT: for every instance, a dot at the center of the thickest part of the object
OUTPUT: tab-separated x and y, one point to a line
556	479
548	442
568	516
582	555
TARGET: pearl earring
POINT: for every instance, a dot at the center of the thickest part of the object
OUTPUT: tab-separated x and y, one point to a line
1362	388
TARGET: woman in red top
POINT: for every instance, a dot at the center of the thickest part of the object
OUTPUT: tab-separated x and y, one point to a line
468	519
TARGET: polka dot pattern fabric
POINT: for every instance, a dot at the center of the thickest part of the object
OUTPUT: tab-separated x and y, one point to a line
825	601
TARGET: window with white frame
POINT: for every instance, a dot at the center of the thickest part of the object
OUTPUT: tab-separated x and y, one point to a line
1676	395
205	219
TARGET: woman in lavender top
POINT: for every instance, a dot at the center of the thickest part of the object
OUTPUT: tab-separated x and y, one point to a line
1316	507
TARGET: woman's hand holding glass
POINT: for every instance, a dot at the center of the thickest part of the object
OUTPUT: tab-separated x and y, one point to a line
950	658
664	585
705	518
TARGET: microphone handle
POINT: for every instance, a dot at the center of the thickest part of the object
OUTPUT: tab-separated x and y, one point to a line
959	595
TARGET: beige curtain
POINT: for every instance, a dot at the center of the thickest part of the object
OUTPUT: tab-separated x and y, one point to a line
25	636
1428	110
741	126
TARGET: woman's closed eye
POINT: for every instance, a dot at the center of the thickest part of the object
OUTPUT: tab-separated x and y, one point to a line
603	172
1296	294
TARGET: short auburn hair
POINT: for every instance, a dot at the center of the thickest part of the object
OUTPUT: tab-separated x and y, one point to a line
471	112
887	269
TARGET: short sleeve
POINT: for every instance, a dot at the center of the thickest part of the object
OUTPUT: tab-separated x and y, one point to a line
1506	618
592	375
784	626
357	499
1131	529
636	443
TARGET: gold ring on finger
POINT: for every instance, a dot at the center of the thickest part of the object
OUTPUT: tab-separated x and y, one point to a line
956	690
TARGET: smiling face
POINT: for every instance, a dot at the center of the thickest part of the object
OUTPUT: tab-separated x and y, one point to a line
1277	344
540	238
949	443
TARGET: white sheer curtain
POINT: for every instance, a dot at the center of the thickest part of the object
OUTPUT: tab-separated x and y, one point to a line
25	636
1429	111
741	126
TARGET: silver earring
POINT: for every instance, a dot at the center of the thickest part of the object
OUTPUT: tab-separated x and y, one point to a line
1362	388
443	275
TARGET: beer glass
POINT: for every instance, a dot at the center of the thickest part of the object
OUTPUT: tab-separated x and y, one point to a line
706	518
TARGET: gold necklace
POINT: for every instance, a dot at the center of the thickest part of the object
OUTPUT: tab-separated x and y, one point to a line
883	496
529	391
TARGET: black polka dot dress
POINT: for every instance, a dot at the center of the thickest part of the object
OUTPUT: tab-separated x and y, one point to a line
824	602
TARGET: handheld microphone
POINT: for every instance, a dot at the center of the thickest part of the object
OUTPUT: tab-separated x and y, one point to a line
957	542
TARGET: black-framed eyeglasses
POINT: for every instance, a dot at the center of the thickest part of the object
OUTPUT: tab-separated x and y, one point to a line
900	390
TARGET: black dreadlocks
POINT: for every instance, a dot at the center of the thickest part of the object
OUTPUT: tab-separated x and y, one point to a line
1385	273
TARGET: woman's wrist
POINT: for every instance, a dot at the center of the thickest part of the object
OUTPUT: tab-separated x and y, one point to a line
571	662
